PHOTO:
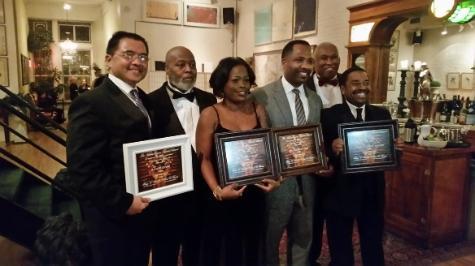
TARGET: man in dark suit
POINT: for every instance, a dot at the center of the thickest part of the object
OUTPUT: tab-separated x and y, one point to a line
177	107
99	123
359	196
325	82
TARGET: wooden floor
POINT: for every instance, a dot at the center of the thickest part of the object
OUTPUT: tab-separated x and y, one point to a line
35	157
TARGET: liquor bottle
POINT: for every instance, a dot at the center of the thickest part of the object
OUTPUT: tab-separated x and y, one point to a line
470	120
445	112
410	128
454	117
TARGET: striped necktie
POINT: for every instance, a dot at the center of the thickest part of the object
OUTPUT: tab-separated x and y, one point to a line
138	102
301	120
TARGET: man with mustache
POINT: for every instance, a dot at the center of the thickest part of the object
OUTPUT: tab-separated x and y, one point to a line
290	207
325	82
178	104
358	196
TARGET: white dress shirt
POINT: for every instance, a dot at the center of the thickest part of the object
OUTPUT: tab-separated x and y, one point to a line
353	110
188	113
329	94
291	98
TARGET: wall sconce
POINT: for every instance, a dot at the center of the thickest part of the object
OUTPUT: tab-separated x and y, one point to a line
444	31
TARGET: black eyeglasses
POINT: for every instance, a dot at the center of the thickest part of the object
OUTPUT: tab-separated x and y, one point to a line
131	56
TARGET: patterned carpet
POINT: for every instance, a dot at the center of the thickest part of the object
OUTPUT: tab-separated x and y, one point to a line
399	252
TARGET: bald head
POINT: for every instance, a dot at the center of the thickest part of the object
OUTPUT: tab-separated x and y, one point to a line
180	67
327	60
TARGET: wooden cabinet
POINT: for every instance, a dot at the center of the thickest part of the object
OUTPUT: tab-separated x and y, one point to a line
427	197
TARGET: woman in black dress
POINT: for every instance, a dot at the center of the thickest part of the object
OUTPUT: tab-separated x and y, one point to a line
234	214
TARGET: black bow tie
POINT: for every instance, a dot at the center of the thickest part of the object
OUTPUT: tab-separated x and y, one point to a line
322	82
189	96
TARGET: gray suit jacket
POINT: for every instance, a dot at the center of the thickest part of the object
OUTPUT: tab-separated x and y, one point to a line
273	98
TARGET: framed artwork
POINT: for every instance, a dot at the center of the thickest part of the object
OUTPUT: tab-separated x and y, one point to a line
267	66
4	81
305	17
263	25
202	15
368	146
3	40
394	43
2	12
391	81
453	81
244	157
25	70
158	168
163	11
281	20
466	81
299	150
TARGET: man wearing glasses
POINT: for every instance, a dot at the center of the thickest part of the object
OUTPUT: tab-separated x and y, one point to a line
100	121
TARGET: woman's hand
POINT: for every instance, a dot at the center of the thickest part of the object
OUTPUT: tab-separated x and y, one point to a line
269	184
230	192
337	146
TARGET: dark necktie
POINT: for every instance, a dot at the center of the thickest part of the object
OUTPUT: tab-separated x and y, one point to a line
138	102
359	117
189	96
301	120
322	82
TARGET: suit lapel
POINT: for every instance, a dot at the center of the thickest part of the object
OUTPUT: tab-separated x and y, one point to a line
166	114
312	104
124	102
278	93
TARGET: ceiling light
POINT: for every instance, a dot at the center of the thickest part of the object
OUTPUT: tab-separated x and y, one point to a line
66	6
442	8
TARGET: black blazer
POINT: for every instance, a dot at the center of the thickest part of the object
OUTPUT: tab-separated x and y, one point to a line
100	121
166	122
346	191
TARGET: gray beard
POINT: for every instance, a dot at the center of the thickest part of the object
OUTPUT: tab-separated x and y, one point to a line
182	85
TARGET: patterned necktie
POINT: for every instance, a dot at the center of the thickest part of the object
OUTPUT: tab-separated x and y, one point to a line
138	102
301	120
359	117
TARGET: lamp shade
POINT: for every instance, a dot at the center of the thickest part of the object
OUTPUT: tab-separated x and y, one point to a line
464	12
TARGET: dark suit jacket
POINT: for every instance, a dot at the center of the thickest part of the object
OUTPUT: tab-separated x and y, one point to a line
166	122
346	191
100	121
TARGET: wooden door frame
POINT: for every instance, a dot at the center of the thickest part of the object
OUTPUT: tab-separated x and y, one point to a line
387	16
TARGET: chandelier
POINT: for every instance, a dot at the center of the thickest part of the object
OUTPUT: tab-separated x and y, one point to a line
67	45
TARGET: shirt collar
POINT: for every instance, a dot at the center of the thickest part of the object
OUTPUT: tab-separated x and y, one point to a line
123	86
171	87
289	87
353	107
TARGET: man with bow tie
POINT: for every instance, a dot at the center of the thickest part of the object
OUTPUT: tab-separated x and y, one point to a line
178	104
325	78
325	82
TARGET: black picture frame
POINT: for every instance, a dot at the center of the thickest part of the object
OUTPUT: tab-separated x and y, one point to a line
368	146
299	150
245	157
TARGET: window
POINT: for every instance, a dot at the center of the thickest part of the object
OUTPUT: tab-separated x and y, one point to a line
75	31
76	68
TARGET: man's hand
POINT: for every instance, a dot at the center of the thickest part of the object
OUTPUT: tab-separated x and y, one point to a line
269	184
138	205
326	172
337	146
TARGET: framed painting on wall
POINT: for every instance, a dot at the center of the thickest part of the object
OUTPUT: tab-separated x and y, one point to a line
305	17
391	81
263	25
466	80
3	40
2	12
4	72
163	11
267	66
453	81
281	20
202	15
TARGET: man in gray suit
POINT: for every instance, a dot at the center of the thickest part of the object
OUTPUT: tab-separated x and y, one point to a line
289	103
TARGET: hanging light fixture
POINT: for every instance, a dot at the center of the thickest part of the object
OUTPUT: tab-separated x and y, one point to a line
68	46
464	12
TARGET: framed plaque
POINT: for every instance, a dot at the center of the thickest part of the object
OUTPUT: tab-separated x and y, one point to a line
299	150
368	146
158	168
244	157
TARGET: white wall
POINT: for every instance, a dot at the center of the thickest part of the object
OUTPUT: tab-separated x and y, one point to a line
332	24
21	35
